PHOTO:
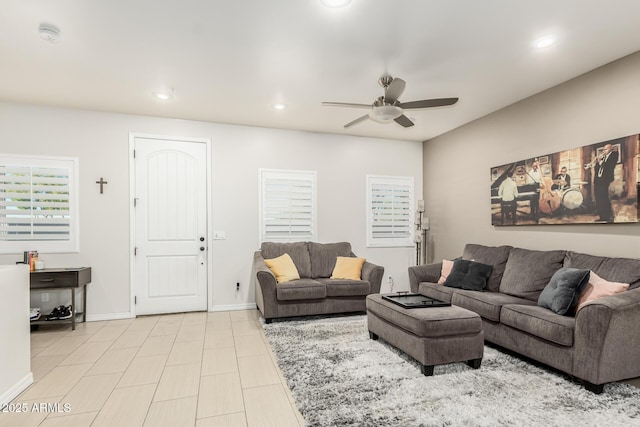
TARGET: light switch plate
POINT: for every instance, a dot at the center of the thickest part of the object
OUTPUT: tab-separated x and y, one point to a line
219	235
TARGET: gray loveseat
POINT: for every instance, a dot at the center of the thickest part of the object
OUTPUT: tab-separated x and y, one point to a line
315	292
600	344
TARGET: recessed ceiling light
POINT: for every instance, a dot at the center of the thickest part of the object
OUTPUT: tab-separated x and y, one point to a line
163	95
279	106
543	42
335	3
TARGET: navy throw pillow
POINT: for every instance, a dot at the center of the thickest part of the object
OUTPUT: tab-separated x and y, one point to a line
469	275
563	290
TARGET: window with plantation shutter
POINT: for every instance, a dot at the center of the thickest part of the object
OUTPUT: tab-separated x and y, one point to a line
38	204
389	211
287	205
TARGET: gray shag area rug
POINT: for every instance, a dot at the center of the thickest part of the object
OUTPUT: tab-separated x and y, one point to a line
339	377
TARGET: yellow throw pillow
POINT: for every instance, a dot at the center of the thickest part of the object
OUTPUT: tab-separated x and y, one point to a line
348	268
283	268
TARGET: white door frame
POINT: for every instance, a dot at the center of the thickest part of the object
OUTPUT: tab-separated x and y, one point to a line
132	213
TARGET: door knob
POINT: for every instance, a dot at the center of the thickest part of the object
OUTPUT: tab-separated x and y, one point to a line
202	248
202	239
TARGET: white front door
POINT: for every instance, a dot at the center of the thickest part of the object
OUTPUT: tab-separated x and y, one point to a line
170	265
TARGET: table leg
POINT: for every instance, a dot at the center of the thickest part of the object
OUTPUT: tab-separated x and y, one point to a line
84	303
73	309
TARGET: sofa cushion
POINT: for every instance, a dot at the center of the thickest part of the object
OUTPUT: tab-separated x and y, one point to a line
301	289
624	270
283	268
426	322
599	288
540	322
495	256
348	268
433	290
468	275
298	251
324	255
564	288
528	272
346	288
487	304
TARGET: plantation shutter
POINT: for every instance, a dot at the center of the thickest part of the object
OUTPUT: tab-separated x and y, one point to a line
36	204
288	211
390	211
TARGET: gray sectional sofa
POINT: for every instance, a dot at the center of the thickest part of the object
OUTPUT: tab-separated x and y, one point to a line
600	344
315	292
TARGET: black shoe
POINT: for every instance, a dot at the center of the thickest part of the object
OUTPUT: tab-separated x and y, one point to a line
65	312
55	313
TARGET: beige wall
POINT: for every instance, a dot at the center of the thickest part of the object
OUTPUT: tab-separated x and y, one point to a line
101	141
598	106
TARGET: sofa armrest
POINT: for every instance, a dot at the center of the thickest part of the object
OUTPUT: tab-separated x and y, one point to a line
606	339
372	273
266	298
423	273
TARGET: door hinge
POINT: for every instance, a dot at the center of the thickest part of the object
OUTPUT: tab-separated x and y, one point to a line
135	251
134	154
135	202
135	300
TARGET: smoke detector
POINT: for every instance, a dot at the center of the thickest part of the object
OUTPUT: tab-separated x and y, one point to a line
49	32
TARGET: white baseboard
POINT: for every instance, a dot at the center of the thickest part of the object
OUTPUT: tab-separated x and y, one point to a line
14	391
112	316
234	307
118	316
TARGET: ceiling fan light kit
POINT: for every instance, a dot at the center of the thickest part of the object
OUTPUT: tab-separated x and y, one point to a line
385	113
388	108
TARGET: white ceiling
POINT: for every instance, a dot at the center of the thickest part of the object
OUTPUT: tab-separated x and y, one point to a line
230	61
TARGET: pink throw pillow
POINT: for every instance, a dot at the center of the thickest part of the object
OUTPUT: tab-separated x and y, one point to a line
598	288
446	270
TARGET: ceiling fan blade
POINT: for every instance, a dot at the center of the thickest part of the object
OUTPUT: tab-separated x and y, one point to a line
394	90
345	104
356	121
403	121
428	103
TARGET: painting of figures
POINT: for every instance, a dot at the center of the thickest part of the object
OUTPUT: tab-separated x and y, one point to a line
596	183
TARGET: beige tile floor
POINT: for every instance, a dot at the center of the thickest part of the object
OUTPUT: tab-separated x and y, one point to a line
193	369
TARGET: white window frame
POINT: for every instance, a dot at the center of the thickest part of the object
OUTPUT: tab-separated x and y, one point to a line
280	174
398	182
70	245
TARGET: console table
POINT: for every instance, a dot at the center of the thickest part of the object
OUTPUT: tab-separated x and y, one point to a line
59	279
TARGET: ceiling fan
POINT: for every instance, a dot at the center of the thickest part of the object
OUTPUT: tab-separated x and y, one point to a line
387	108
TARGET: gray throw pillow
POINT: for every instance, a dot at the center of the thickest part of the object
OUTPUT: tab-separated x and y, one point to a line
468	275
494	256
562	292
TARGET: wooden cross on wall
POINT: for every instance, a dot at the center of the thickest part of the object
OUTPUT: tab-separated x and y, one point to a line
102	182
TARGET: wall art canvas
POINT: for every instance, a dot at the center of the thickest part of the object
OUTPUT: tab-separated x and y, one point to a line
597	183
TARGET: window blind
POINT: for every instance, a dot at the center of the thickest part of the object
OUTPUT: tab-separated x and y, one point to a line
390	211
288	205
34	203
38	204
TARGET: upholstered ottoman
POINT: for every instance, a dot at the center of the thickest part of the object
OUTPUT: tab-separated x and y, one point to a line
432	336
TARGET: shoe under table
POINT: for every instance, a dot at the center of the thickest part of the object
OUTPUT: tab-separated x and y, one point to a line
431	335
